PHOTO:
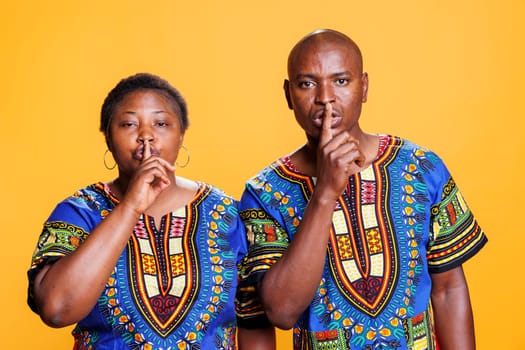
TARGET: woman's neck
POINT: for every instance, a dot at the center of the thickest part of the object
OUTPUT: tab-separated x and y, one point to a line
180	192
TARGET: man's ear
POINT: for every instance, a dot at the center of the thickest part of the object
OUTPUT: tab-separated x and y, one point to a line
286	87
364	80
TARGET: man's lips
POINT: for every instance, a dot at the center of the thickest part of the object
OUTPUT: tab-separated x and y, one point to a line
320	114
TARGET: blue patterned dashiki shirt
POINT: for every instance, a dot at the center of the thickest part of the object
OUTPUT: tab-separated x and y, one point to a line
172	288
399	220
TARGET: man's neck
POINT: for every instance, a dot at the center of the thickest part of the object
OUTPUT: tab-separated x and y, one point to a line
305	158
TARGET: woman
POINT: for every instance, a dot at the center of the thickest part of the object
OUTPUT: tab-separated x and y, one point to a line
148	260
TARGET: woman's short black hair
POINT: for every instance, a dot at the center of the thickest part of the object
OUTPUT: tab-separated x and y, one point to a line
142	81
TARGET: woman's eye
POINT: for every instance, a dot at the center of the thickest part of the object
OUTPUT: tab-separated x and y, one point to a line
162	124
127	124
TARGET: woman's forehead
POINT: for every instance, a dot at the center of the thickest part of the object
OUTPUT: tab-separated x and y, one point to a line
141	97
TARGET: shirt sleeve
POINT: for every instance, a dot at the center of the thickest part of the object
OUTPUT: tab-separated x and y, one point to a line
67	227
456	235
267	241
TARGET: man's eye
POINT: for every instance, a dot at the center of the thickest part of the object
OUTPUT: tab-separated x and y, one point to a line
306	84
342	81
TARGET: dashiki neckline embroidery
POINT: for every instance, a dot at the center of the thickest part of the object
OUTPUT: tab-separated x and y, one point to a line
165	275
362	250
164	266
362	253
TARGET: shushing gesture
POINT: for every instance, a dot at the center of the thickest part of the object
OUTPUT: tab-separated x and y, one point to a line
152	177
338	157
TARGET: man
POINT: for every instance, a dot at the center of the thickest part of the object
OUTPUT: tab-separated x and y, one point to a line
356	239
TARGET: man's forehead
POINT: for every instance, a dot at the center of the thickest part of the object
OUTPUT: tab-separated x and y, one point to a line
338	59
322	47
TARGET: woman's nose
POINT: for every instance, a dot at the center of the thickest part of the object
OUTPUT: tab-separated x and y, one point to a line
145	134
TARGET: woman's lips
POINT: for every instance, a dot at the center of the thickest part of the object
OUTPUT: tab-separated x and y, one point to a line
138	154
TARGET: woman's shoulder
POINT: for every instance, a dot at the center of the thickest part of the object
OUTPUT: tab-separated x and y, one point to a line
212	192
92	201
95	196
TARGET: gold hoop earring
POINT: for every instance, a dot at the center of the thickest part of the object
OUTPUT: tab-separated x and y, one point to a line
187	159
106	163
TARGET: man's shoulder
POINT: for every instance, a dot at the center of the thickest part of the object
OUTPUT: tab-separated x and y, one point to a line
408	146
405	143
270	168
273	174
420	159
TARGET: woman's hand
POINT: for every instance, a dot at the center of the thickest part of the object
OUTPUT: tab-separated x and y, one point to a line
150	179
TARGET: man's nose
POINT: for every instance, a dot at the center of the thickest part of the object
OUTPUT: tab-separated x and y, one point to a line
325	94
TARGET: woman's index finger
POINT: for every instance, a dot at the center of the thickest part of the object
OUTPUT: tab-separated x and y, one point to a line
147	151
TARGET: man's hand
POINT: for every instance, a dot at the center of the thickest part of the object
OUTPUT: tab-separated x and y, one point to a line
338	157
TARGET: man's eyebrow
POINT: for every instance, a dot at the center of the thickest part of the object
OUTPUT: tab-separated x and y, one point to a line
304	76
342	74
313	76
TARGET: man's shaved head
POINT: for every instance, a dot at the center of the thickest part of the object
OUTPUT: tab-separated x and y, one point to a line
322	37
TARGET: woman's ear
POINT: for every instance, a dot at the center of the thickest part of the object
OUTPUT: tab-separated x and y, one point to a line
108	142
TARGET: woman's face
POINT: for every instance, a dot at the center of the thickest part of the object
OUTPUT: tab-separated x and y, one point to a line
144	118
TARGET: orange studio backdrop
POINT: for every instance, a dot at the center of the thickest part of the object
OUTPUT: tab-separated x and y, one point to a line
445	74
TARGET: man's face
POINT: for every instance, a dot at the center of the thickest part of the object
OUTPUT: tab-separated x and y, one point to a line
324	73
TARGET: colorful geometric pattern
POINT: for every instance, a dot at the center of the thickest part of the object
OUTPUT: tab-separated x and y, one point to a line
397	221
364	264
418	331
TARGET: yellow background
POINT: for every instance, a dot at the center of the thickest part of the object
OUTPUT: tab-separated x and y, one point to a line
446	74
